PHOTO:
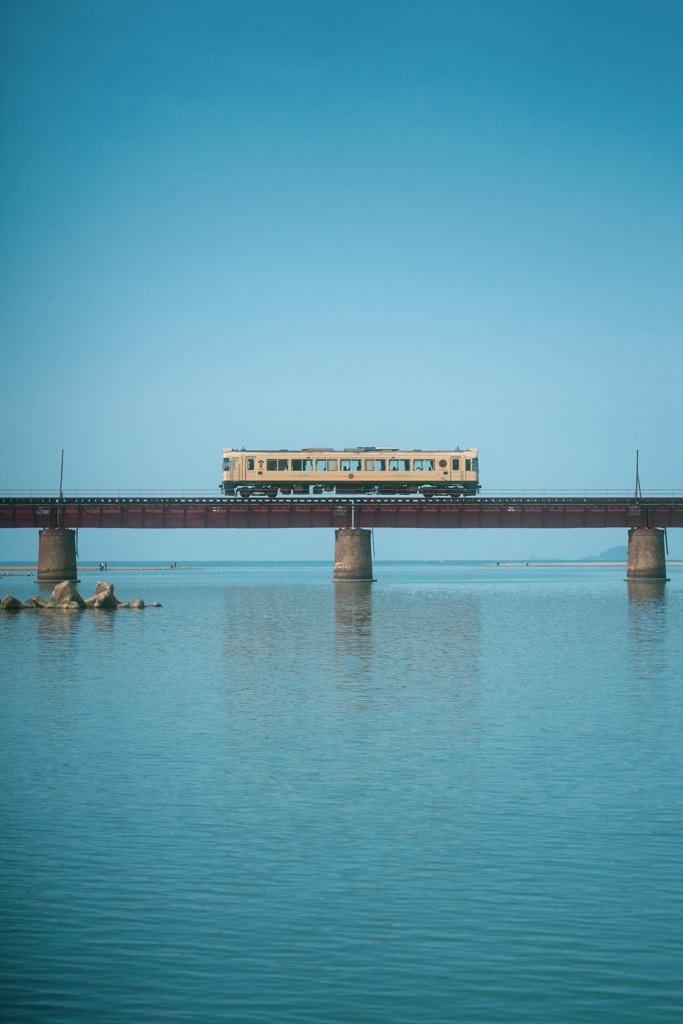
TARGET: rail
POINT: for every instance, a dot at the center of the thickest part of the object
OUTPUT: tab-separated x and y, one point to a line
214	495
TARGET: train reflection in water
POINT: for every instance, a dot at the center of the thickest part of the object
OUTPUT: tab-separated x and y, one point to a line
389	635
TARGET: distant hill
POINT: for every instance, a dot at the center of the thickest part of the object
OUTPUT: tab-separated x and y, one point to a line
615	554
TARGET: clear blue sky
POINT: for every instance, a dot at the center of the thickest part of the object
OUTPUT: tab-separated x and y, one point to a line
299	222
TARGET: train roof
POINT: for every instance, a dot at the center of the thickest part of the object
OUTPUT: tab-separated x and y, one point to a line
359	448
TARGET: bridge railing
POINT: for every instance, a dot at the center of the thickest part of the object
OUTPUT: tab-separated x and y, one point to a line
656	492
132	492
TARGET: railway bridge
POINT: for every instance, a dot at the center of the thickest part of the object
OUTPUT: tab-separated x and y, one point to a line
352	516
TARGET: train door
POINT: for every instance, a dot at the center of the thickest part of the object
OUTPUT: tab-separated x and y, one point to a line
237	469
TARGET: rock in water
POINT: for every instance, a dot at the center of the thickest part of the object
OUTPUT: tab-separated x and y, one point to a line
11	604
65	595
137	603
103	597
155	604
34	602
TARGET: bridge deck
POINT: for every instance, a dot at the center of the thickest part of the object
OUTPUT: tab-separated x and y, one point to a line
187	512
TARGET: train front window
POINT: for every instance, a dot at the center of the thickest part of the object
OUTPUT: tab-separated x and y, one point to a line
399	465
468	465
350	465
250	463
456	463
475	465
235	464
226	465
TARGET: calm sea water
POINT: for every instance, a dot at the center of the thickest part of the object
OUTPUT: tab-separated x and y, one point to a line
451	796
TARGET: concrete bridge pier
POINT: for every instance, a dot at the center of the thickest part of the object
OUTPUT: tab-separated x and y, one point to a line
57	555
352	555
645	560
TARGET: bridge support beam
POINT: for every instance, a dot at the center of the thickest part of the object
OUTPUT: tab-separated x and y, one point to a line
645	560
57	555
352	555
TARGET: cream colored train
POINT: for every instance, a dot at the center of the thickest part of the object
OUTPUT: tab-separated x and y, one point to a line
350	471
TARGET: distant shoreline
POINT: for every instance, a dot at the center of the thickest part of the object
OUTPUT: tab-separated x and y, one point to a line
556	565
110	568
9	569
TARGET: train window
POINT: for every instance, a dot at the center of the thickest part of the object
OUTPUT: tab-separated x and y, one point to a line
226	465
282	465
332	464
402	465
456	463
475	465
372	465
302	465
351	465
271	465
235	463
250	463
277	465
320	465
424	465
468	465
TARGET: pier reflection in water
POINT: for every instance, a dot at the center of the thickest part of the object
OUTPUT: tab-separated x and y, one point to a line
647	596
647	621
353	627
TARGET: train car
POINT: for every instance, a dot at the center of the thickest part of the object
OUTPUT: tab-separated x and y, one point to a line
350	471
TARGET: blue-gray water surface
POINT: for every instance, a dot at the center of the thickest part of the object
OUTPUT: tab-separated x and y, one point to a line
453	795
